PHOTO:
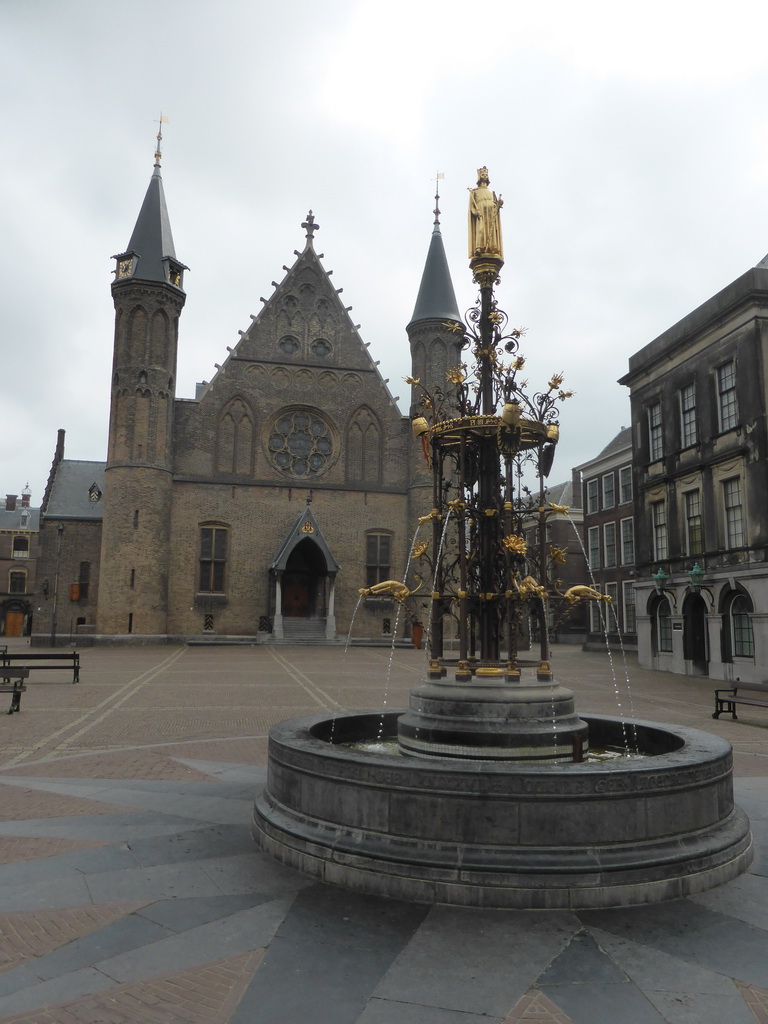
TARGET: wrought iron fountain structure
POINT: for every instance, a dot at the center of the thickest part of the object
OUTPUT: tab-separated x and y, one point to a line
491	801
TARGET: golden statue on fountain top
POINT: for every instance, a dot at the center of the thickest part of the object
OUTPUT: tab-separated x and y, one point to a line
484	219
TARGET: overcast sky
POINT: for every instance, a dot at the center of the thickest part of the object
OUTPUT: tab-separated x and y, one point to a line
630	144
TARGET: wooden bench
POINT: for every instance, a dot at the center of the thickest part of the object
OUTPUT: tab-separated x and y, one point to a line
65	661
12	681
753	694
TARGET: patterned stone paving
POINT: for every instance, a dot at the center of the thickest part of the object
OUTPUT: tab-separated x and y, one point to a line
27	935
206	995
131	891
535	1008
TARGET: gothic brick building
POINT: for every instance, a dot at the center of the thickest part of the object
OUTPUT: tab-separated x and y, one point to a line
262	505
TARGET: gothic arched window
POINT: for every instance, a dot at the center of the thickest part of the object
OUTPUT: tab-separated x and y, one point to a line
363	448
159	338
235	439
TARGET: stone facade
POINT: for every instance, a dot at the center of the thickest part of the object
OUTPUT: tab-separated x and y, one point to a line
263	505
699	404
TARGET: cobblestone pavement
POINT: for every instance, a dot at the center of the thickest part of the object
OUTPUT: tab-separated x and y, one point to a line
131	891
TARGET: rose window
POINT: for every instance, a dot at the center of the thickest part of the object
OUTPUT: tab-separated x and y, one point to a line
301	444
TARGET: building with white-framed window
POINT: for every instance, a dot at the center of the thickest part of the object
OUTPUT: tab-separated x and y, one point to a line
19	553
609	530
699	402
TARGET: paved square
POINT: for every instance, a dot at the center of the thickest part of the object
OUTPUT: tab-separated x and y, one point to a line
131	890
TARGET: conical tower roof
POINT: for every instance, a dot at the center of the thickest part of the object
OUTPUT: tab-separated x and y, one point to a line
152	241
436	299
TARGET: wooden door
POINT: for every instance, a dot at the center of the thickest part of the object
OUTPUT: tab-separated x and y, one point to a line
14	623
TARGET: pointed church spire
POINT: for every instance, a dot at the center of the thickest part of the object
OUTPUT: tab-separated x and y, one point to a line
151	255
436	299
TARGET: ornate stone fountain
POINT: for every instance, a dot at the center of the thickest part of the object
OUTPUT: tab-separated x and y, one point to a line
491	799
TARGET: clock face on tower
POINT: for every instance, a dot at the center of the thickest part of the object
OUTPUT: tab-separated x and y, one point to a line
124	268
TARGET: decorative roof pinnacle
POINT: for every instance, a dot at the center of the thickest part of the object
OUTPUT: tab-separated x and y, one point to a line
310	227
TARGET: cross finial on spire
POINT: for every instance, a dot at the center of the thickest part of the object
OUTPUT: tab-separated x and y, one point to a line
160	123
310	227
439	175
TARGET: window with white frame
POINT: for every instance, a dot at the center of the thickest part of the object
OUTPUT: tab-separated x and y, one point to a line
609	545
659	530
20	547
694	533
655	432
734	519
611	607
727	406
742	636
596	615
593	503
688	430
627	542
609	490
630	606
664	626
593	545
625	484
17	583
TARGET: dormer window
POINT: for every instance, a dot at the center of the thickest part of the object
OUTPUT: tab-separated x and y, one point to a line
174	271
126	265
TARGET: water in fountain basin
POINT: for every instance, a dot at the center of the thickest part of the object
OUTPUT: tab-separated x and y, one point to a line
438	556
389	747
344	655
394	631
604	624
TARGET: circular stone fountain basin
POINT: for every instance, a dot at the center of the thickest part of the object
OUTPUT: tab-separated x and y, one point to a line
504	834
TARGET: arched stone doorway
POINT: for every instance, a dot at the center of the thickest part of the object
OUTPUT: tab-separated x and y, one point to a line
302	586
303	589
695	639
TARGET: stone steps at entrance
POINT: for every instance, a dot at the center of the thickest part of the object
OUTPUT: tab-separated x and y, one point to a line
303	627
303	631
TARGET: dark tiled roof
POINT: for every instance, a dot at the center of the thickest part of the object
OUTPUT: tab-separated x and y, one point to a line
13	520
560	494
622	440
152	239
436	299
70	497
296	534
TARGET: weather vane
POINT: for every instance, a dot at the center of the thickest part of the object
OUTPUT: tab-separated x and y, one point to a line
163	120
439	175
